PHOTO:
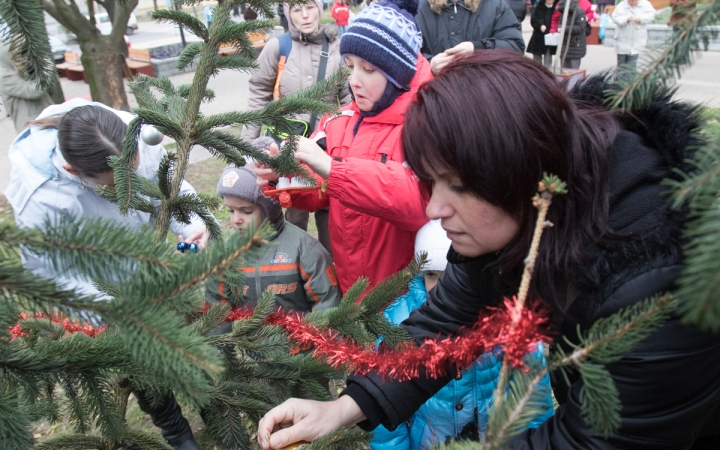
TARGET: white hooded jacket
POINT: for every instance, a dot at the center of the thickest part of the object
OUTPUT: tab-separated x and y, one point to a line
41	191
631	38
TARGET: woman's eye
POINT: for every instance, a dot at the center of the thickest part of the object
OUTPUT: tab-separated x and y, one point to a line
368	70
458	188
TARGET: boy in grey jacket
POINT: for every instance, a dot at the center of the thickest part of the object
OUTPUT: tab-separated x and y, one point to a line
294	265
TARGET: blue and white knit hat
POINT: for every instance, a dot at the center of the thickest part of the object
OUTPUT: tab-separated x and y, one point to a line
386	35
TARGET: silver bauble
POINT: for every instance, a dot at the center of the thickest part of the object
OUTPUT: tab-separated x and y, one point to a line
150	135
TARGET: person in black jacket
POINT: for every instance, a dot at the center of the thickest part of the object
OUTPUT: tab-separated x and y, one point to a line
453	27
518	8
480	137
541	21
575	40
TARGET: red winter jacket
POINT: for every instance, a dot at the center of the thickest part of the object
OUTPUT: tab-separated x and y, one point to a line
341	13
375	202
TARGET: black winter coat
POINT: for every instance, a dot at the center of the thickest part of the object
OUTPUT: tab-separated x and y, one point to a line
518	8
577	47
492	25
669	385
542	15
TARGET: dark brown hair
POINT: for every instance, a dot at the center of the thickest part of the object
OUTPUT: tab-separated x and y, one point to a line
498	121
88	135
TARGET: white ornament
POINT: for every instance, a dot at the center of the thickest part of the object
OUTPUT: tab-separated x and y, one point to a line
150	135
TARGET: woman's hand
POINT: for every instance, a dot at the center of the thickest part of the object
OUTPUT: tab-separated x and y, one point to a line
443	59
263	174
200	236
310	153
543	28
306	420
439	61
461	48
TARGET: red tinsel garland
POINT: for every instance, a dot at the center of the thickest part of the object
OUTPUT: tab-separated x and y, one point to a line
71	327
433	357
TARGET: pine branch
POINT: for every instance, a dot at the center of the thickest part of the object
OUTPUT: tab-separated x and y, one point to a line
188	55
101	405
184	90
669	59
142	440
342	438
190	23
160	343
525	402
72	442
14	420
28	37
235	34
31	292
700	280
93	248
241	63
143	83
216	143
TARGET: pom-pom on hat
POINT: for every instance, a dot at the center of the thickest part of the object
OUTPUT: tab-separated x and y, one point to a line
433	240
386	35
241	182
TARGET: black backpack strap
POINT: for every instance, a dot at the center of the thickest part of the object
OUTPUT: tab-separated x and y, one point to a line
324	55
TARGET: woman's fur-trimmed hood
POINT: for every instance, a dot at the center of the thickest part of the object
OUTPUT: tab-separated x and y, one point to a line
437	5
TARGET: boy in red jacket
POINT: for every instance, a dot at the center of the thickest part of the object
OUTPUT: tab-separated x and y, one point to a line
374	200
341	13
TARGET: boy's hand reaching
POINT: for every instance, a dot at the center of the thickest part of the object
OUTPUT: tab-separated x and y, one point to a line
263	173
310	153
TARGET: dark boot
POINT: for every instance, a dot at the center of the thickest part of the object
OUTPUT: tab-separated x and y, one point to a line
168	417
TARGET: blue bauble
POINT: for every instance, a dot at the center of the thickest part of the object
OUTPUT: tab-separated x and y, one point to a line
182	247
194	247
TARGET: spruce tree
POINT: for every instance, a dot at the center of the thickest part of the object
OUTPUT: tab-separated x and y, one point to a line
157	333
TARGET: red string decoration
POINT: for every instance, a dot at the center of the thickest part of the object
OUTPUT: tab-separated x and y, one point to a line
433	357
17	330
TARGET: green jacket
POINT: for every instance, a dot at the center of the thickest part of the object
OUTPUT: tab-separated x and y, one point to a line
294	265
21	98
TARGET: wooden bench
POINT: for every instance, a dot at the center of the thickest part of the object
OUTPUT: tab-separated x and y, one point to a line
72	67
138	61
258	42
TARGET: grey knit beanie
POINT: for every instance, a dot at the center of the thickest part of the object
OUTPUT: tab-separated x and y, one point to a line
241	182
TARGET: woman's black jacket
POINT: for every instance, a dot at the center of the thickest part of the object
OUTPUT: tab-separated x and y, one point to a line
669	385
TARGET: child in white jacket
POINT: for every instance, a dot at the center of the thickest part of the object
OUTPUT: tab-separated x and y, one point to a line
631	18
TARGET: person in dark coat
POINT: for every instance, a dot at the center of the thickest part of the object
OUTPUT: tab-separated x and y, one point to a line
540	21
479	137
575	40
518	8
454	27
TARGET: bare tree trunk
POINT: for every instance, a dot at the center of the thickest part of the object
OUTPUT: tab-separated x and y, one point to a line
55	91
103	65
102	56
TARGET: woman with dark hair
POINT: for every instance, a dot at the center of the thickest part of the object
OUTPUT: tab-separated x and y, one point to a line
615	241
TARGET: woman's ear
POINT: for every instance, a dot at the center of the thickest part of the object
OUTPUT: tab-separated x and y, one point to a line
70	169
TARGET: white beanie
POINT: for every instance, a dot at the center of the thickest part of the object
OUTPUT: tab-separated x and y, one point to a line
433	240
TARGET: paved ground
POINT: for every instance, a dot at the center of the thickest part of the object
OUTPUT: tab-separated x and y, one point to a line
699	84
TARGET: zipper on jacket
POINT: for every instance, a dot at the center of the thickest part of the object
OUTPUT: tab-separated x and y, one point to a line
383	158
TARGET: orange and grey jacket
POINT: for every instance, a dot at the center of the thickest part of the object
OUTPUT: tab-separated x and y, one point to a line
294	265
